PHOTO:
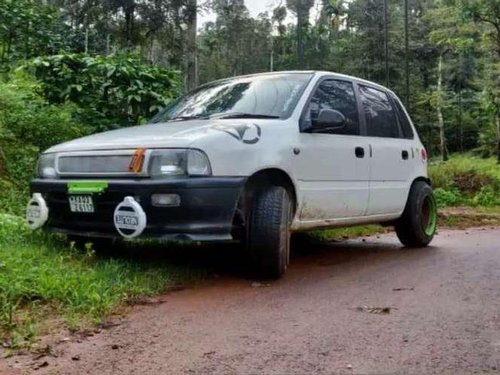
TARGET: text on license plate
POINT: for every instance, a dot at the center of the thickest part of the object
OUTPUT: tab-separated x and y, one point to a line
81	203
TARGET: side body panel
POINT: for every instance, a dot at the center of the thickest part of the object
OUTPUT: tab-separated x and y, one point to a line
332	180
390	175
394	162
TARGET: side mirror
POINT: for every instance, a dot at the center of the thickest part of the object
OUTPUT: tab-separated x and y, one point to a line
329	119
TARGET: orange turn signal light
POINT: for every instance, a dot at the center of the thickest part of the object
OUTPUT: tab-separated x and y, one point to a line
137	161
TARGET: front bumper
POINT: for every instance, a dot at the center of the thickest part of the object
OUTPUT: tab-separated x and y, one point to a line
206	210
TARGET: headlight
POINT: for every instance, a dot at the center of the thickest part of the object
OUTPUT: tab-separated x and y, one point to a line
179	162
47	166
198	163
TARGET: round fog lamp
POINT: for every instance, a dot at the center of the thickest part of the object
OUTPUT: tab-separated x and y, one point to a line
165	200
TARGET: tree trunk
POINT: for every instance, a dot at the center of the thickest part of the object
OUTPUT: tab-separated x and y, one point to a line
3	163
108	44
191	64
442	139
386	42
407	56
271	57
497	121
129	25
300	33
460	122
86	48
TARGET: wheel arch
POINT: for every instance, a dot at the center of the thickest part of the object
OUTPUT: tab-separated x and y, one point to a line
425	179
256	182
422	178
270	177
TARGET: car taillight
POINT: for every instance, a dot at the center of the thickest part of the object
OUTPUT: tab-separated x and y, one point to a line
423	154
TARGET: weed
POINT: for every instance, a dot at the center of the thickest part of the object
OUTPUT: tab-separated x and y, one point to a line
466	180
448	197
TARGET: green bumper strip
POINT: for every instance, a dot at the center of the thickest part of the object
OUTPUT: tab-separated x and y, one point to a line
87	187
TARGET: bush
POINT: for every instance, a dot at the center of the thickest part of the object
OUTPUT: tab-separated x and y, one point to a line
487	197
29	119
448	197
466	179
109	91
471	181
28	125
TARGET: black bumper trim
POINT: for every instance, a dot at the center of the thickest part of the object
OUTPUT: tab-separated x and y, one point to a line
206	212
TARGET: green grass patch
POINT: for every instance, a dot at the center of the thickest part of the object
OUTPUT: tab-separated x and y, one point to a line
346	233
445	174
42	278
466	180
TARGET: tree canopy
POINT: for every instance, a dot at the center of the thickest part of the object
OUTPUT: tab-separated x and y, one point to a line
453	51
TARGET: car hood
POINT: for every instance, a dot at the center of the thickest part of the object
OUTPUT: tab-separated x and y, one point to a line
169	134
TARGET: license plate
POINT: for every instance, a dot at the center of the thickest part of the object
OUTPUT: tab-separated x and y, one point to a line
81	203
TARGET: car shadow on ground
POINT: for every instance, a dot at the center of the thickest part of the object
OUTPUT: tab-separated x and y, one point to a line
230	260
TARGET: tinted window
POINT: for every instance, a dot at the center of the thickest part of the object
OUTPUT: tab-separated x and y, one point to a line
380	117
266	95
337	95
403	120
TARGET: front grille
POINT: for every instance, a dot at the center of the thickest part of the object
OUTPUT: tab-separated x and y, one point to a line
94	164
99	163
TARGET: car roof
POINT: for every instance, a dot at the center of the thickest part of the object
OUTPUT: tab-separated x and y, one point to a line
320	73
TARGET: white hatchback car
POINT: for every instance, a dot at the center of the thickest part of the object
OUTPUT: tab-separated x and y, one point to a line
250	158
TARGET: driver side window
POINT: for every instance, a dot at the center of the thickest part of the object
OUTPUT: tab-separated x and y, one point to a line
336	95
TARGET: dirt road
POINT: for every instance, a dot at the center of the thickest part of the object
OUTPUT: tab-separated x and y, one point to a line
444	317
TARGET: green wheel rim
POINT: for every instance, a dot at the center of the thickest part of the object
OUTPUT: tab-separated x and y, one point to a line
429	215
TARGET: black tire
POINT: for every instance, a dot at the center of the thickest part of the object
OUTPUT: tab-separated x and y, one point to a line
269	232
101	245
417	226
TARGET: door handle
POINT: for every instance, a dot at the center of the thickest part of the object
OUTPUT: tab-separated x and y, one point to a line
404	154
359	152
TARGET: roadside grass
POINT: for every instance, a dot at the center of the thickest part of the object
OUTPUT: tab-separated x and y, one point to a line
466	180
339	234
42	278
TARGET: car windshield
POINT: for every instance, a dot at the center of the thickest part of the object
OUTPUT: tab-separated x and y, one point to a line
264	96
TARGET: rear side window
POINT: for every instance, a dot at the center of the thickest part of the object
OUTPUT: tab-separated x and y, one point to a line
380	116
337	95
403	119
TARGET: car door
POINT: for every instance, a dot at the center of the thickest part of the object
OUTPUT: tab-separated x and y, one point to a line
390	154
332	168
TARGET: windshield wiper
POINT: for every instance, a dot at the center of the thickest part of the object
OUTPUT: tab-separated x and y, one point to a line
246	115
193	117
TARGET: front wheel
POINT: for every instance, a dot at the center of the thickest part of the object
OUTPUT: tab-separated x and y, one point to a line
417	226
269	232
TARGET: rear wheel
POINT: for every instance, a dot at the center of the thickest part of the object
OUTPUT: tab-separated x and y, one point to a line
417	226
269	232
